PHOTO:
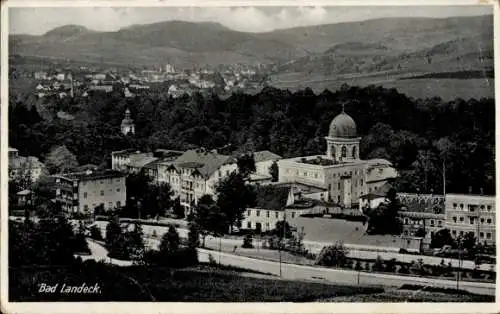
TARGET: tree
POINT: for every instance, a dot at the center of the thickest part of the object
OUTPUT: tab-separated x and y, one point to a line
177	208
247	242
113	232
246	165
334	255
135	241
282	229
234	196
170	241
165	194
274	171
95	233
442	238
193	235
208	218
60	159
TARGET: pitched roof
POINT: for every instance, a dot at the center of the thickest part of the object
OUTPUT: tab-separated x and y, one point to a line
141	160
272	197
204	161
265	155
92	175
428	203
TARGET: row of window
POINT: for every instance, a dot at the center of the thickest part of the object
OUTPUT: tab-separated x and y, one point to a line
472	208
343	151
102	192
472	220
268	213
482	235
432	222
257	225
110	205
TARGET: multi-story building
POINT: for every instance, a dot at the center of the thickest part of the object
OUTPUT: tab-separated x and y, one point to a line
340	170
120	160
422	213
24	167
195	173
471	213
84	191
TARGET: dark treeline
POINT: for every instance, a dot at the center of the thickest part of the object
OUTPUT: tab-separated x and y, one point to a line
417	135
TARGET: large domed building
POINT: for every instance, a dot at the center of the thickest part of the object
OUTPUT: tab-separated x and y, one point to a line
340	173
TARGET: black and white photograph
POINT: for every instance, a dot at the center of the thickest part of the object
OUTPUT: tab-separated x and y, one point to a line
194	153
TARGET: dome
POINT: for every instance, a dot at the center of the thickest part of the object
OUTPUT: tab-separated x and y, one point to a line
342	126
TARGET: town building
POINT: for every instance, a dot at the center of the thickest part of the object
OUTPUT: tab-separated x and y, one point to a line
280	201
29	168
422	213
195	173
120	160
345	176
127	126
82	192
466	213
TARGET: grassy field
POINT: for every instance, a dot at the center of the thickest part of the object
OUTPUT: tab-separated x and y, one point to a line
400	295
446	88
203	283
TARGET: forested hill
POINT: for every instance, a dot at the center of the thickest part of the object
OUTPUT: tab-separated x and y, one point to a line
415	134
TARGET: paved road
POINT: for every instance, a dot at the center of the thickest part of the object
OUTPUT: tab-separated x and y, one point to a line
299	272
315	247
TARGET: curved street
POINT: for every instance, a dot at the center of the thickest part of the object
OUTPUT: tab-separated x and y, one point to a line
301	272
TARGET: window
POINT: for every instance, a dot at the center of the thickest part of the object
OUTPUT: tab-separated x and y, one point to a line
361	182
481	235
454	219
489	220
454	205
293	214
118	204
316	175
267	225
354	152
488	235
344	152
439	223
461	219
249	213
267	214
454	232
489	208
339	185
482	220
471	220
86	207
406	221
258	213
84	194
432	222
249	225
220	173
118	190
338	198
408	242
277	214
102	193
462	206
227	172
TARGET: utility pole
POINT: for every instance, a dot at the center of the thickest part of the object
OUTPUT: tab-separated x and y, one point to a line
459	263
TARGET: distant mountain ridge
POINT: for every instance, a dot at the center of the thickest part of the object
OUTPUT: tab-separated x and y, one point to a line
187	44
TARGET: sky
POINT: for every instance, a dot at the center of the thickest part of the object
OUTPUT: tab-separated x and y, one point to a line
36	21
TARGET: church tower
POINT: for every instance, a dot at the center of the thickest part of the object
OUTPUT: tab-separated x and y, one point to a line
342	141
128	126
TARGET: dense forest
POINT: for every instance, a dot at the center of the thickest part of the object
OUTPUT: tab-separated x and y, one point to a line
418	135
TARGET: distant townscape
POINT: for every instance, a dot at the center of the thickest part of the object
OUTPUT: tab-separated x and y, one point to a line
206	178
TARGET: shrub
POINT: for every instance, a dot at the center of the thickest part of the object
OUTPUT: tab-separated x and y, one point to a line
357	266
211	260
404	269
95	233
378	265
367	266
390	265
334	255
247	242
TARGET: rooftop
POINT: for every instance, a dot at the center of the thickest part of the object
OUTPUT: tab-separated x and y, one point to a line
92	175
272	197
265	155
206	162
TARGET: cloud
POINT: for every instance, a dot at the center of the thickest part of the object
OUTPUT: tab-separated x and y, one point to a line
248	19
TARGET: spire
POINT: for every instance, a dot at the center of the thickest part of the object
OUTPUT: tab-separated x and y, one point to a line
343	104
